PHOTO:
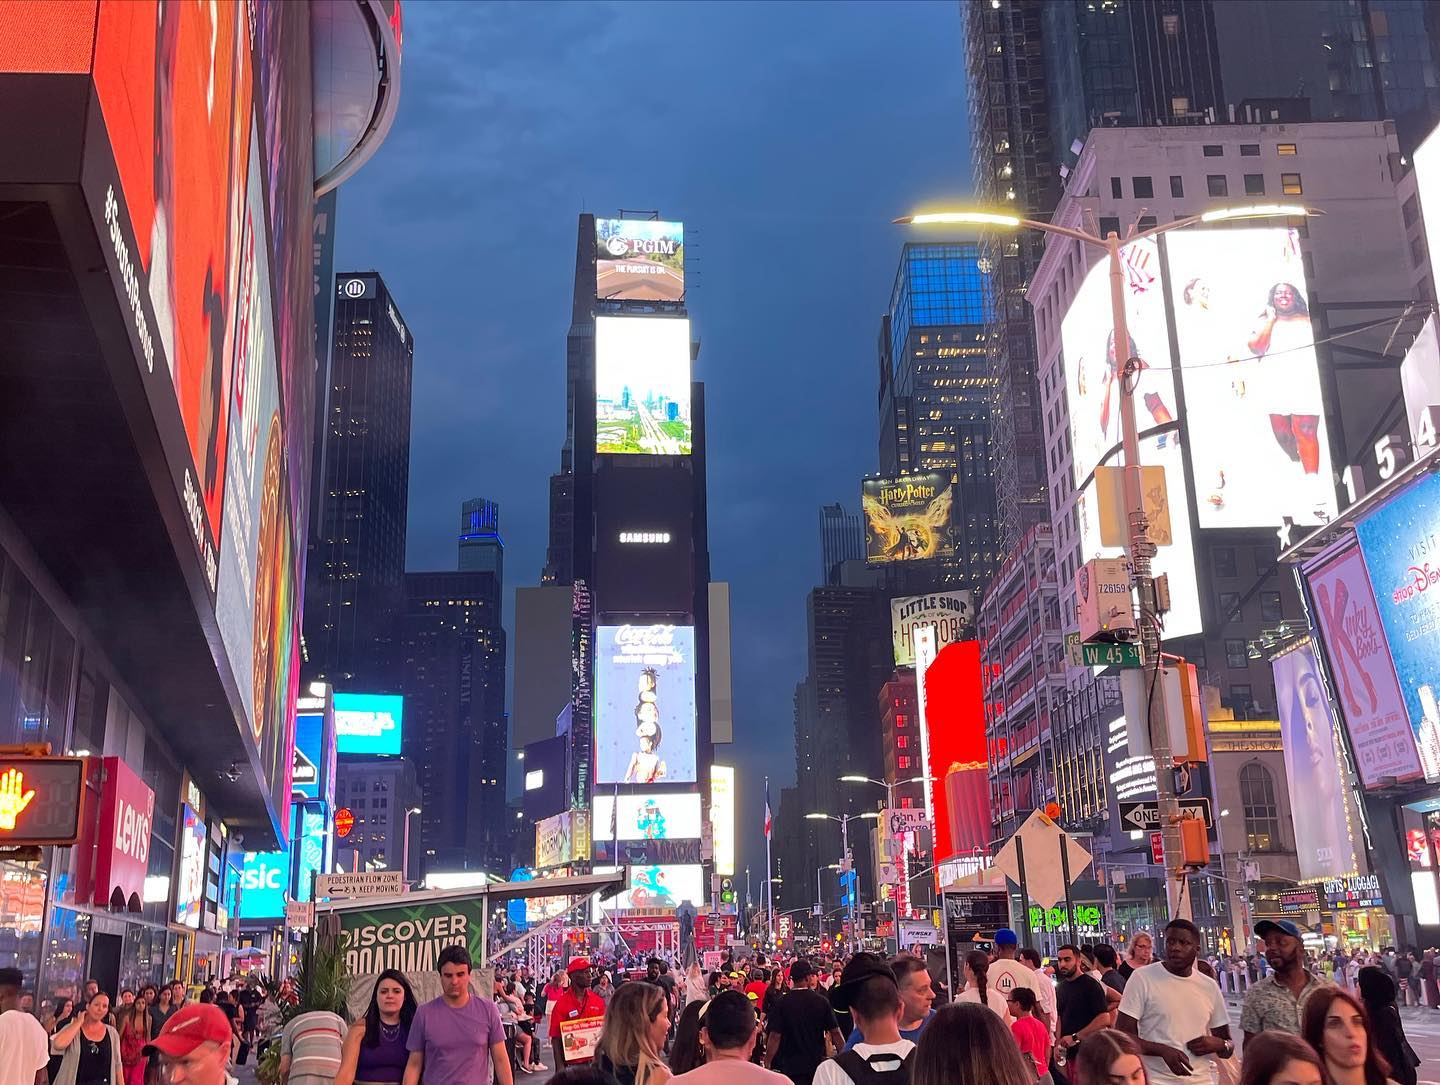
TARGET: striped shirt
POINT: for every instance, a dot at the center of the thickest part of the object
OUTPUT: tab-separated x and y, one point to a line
312	1042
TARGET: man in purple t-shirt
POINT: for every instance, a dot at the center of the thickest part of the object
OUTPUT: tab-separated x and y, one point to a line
455	1037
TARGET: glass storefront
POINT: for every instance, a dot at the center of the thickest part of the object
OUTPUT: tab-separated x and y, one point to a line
66	947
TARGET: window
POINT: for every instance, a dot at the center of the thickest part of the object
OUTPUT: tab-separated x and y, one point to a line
1179	105
902	761
1146	222
1109	225
1254	184
1177	187
1229	606
1143	186
1236	654
1214	150
1223	558
1285	150
1270	608
1217	184
1257	804
1249	150
1115	189
1290	184
1241	698
1410	212
1417	252
1264	560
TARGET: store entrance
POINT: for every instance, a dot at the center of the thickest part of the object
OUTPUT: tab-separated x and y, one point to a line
105	963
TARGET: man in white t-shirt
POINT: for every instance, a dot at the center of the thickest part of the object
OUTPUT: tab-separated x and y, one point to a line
24	1047
1006	973
868	989
1177	1013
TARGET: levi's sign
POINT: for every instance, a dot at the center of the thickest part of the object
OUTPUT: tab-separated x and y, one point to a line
1146	815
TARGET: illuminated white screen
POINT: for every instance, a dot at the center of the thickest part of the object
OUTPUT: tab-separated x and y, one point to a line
658	886
648	817
1254	421
722	818
642	385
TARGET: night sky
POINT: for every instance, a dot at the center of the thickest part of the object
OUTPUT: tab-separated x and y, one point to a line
786	137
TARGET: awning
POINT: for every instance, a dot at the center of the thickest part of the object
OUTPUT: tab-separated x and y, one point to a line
578	885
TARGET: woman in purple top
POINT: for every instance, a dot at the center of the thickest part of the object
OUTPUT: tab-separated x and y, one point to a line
375	1051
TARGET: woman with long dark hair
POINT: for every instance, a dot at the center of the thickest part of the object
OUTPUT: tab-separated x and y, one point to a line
1336	1025
1108	1057
965	1043
977	986
686	1051
1278	1058
374	1051
1377	991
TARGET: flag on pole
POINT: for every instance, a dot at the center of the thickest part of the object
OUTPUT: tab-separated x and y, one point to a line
768	819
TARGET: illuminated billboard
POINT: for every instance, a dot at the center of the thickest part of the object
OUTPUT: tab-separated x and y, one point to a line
264	881
1361	672
1176	560
907	519
1399	541
949	613
658	886
954	723
1312	769
190	873
647	817
1092	365
644	704
639	260
1255	421
368	723
642	385
722	818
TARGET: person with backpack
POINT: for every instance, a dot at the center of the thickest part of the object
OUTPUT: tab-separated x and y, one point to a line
869	990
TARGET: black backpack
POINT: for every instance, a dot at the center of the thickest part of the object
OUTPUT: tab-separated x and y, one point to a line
861	1070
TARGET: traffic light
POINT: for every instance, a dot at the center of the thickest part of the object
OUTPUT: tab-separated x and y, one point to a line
727	891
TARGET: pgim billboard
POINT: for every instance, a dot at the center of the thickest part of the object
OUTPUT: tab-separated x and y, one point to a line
644	704
1255	418
1093	365
639	260
907	518
642	385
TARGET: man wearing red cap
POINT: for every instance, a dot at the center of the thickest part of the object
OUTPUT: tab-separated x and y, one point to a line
194	1046
576	1003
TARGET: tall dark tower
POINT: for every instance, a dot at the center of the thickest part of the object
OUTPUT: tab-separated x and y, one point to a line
356	569
481	548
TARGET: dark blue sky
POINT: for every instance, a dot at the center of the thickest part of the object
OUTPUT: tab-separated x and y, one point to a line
786	137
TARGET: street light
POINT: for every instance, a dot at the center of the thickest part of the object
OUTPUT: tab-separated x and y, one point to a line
888	785
405	849
1140	550
845	820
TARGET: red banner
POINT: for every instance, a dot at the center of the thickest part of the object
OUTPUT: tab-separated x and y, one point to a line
122	857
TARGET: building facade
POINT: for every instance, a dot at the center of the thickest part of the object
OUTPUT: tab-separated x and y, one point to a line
482	550
357	560
842	539
383	796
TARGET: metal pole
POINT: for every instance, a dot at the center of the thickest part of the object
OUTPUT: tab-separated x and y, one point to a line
769	873
1025	892
1065	875
846	863
1140	551
405	850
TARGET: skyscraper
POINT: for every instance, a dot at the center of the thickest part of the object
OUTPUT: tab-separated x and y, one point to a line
455	729
356	562
482	550
936	395
842	539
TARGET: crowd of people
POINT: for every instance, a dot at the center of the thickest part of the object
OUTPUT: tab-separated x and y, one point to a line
1089	1017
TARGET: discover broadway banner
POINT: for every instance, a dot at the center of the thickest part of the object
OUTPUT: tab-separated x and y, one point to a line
907	519
410	937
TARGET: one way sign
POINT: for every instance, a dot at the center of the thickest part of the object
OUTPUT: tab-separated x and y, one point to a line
1146	815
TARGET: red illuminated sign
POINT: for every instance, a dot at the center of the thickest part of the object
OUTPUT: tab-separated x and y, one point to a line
955	726
1157	848
344	821
122	859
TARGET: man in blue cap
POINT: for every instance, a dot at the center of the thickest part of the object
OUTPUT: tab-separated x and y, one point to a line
1007	973
1278	1000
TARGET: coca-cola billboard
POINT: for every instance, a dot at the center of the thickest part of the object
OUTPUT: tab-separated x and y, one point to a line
645	704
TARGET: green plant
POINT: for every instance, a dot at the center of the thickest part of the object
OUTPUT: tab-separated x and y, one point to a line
321	981
267	1069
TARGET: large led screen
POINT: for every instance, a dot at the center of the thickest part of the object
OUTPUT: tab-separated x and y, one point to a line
722	818
639	260
1360	669
642	385
907	519
264	880
1177	560
659	886
1092	364
368	723
1254	416
644	704
1312	769
190	869
1401	544
647	817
